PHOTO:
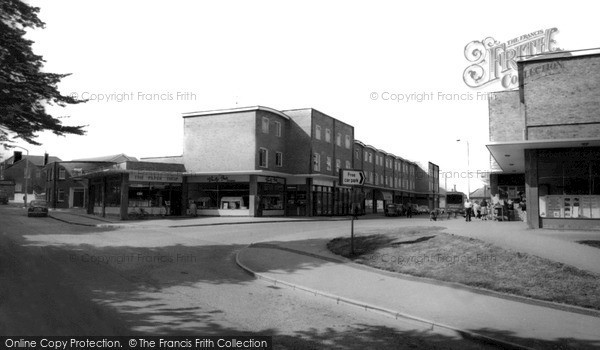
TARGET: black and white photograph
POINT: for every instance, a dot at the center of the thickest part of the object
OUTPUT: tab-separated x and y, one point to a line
299	175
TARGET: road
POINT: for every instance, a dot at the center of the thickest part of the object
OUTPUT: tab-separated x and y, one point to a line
61	279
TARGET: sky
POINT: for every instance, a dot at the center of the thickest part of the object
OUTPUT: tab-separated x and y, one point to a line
142	64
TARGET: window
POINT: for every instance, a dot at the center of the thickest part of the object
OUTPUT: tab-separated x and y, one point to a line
328	163
366	156
357	154
338	165
61	195
278	129
338	139
348	165
265	125
348	141
327	135
279	159
38	174
263	156
316	162
61	173
370	157
318	132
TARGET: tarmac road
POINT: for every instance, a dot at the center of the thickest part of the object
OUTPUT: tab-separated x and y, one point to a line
61	279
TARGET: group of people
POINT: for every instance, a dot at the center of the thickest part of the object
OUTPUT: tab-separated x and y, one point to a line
476	209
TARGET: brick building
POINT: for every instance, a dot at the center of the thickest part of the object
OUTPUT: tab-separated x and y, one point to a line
26	171
545	141
258	161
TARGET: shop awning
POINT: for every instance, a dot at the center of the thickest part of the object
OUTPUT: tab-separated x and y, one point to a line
510	156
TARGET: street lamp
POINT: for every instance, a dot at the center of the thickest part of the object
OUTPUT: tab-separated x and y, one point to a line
468	171
26	175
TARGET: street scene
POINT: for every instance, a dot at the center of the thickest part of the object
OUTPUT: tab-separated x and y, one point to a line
299	175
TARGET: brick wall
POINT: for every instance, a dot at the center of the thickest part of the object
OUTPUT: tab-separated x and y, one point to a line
562	97
506	122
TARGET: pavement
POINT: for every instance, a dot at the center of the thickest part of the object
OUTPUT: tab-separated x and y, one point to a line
504	320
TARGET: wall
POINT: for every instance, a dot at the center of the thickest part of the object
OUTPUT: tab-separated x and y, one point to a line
222	142
561	97
506	121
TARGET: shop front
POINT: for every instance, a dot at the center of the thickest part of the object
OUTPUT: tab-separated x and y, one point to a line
236	195
132	194
568	187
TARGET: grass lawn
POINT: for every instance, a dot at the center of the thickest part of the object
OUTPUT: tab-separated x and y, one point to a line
428	252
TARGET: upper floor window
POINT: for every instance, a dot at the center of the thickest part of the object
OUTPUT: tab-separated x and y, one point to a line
328	163
265	125
357	154
338	165
318	132
316	162
263	155
338	139
277	129
279	159
348	141
327	135
348	165
61	173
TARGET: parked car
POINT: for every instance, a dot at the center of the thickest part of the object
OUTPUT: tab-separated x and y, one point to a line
37	208
393	209
3	197
423	209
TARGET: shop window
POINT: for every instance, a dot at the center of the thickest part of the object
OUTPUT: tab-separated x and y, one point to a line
263	157
265	125
277	129
279	159
316	162
327	135
318	132
348	143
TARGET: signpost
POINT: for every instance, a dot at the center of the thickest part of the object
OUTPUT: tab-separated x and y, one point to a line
350	177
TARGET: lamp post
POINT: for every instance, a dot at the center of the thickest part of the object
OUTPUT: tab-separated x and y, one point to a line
26	175
468	171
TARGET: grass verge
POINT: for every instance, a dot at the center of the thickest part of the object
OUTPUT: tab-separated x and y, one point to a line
428	252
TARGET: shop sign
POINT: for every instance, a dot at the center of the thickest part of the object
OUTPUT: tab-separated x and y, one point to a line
271	180
155	177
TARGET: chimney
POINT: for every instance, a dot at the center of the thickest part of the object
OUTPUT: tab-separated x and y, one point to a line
17	156
45	158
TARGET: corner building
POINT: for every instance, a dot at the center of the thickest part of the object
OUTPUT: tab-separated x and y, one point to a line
545	141
258	161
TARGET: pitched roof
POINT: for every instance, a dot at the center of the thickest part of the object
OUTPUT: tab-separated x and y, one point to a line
116	158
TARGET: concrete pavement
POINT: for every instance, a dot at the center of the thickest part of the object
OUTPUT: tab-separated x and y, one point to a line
504	321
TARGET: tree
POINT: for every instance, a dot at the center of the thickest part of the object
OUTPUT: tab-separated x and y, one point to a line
25	90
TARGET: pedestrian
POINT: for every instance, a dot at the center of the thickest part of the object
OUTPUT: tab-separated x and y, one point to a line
484	211
476	210
468	210
409	210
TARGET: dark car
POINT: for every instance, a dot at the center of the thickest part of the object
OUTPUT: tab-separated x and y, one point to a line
393	210
3	198
37	208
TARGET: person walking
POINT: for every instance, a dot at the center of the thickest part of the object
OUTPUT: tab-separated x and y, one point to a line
468	210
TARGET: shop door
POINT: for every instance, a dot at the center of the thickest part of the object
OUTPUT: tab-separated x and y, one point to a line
176	194
78	198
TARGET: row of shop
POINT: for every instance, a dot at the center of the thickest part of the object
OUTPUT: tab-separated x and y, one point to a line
132	193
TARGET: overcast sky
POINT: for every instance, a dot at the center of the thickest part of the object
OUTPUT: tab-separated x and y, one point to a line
346	59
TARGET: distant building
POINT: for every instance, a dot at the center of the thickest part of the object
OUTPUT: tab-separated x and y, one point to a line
25	170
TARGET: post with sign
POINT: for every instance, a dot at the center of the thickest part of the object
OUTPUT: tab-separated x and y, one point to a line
353	178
